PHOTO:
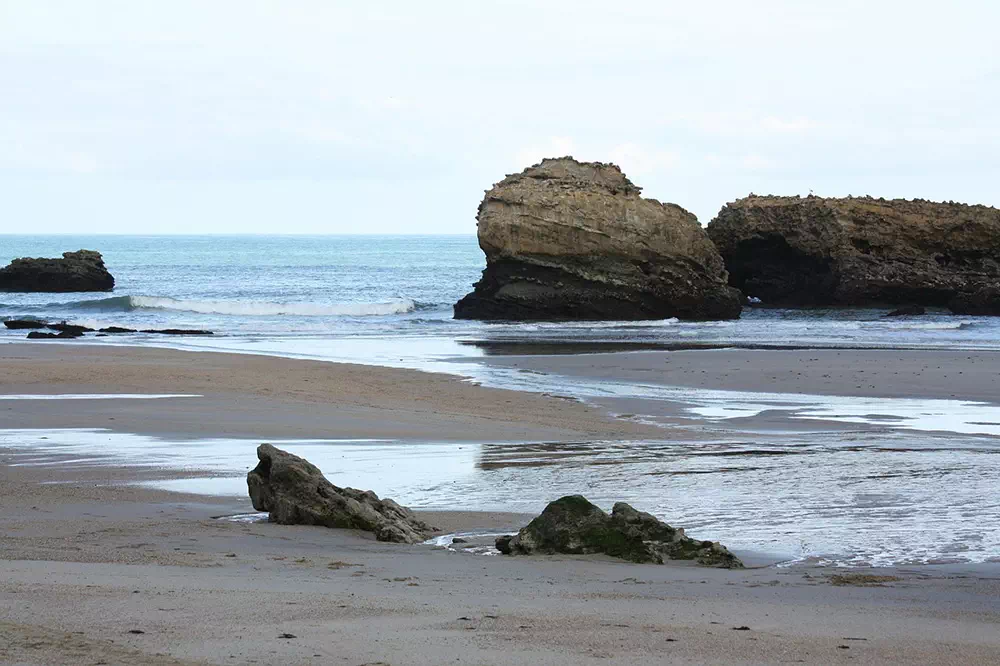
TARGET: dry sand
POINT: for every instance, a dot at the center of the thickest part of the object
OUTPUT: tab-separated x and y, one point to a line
95	571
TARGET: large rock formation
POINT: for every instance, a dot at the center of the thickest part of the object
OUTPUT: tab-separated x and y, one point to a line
575	240
77	271
985	301
295	492
857	251
573	525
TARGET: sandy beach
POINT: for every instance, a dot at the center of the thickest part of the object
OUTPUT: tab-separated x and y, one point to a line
97	570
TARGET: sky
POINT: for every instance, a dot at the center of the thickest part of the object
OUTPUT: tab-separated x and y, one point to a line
243	116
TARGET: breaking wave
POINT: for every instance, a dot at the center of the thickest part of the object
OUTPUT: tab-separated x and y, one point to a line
239	308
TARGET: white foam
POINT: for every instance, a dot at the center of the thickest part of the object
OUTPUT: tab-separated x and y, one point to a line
263	309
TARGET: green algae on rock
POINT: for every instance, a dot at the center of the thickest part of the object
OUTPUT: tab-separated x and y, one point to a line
573	525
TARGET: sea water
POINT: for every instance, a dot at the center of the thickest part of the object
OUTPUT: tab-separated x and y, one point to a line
900	490
292	293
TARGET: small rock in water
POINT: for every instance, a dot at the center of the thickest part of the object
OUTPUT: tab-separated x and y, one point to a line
21	324
63	327
459	540
39	335
908	311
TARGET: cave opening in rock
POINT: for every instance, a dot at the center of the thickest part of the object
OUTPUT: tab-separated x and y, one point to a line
767	267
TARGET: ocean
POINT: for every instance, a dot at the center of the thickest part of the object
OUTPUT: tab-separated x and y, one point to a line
297	292
881	489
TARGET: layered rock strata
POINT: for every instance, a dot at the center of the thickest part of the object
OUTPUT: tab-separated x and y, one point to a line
573	525
857	251
569	240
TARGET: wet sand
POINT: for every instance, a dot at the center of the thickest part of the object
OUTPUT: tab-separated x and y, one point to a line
95	570
266	397
862	372
118	575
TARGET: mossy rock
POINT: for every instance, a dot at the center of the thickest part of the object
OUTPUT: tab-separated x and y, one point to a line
574	525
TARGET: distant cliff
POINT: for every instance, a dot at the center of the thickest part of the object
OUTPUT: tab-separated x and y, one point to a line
575	240
858	251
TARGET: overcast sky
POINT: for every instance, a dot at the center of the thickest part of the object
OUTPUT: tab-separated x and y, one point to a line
393	117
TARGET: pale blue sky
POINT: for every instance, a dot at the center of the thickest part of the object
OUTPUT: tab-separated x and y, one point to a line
393	117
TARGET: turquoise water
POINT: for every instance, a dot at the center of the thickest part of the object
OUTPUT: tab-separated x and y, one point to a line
296	294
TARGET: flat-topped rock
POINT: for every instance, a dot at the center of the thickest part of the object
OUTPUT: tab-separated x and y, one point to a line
857	251
295	492
569	240
83	270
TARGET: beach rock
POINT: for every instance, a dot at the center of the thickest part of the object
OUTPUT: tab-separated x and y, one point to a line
569	240
793	251
22	324
908	311
985	301
38	335
63	327
117	329
573	525
295	492
76	271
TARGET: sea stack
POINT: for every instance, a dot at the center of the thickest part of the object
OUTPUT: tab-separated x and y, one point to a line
795	251
82	270
569	240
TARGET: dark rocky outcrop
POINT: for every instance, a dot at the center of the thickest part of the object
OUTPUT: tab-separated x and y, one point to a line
295	492
63	327
857	251
573	525
63	335
76	271
908	311
985	301
567	240
22	324
117	329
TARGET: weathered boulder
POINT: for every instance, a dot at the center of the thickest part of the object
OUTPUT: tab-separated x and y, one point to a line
857	251
985	301
569	240
295	492
573	525
76	271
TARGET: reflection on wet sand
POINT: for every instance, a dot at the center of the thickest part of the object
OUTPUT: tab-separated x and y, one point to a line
876	497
